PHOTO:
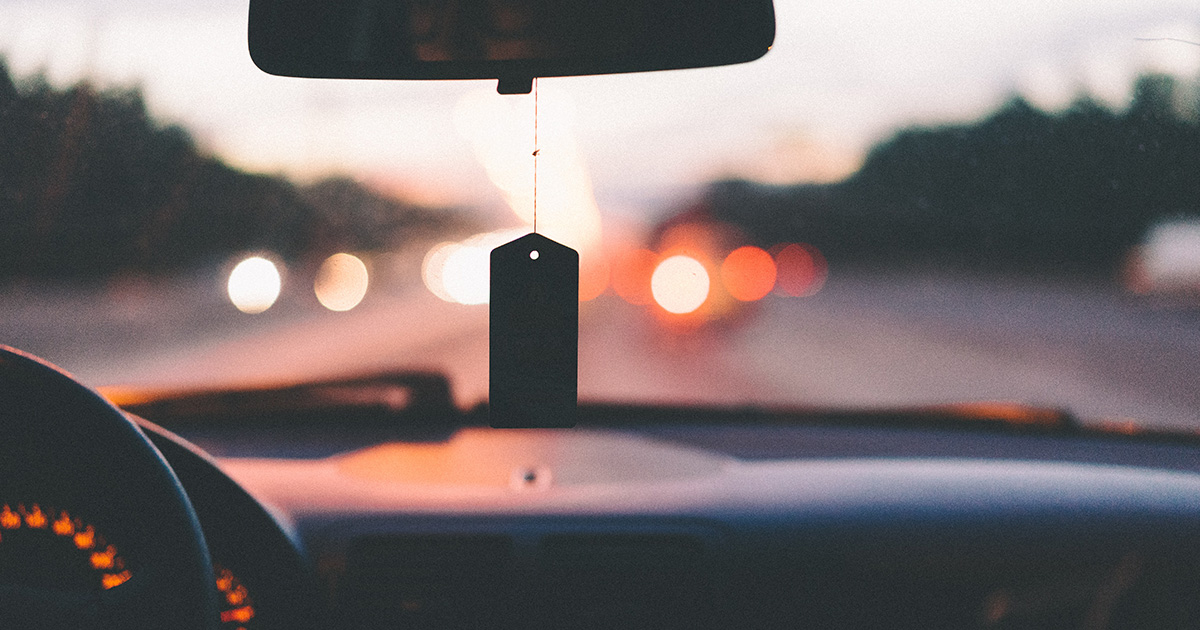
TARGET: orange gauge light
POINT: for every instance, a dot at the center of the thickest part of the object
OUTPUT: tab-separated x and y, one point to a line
35	518
237	615
85	539
81	556
9	519
47	549
236	607
111	580
237	596
63	525
104	559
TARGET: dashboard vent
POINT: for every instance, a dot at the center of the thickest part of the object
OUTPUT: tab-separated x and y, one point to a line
623	580
543	580
427	581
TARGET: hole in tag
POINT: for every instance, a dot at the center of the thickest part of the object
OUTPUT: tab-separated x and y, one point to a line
533	255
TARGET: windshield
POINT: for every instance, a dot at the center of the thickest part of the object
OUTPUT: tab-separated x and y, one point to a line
901	204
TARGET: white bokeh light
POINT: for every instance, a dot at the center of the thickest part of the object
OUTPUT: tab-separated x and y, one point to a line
461	272
254	285
466	274
680	284
341	282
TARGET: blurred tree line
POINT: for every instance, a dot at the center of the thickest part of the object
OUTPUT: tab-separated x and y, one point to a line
91	186
1022	189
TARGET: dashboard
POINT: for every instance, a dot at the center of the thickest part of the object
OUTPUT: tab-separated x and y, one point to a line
751	526
318	521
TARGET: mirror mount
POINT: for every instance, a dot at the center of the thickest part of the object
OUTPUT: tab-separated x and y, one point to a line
515	85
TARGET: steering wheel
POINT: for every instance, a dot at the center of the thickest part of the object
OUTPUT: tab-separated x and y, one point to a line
71	463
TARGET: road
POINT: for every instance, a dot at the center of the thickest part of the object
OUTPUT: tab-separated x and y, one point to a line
865	340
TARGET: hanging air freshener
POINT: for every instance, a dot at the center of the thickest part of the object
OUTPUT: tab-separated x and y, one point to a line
534	328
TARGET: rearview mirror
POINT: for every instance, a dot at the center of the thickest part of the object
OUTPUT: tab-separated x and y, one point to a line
510	40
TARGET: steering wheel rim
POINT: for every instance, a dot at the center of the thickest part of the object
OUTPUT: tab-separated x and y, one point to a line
67	444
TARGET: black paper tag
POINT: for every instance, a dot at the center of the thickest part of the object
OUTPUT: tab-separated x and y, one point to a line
534	334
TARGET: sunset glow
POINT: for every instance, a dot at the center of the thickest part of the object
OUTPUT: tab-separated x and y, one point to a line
501	131
808	121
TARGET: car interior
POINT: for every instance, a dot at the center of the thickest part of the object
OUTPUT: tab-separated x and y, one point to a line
377	498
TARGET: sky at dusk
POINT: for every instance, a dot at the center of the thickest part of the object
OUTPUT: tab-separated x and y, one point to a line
842	75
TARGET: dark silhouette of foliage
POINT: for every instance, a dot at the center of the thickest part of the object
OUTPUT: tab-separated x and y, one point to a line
1020	189
91	185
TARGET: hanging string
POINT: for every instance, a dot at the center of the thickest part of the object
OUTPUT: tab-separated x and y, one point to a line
535	151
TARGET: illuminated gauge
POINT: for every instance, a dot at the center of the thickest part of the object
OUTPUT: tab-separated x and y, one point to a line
47	548
236	607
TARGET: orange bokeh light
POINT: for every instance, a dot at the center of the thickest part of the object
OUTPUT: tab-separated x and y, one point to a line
631	274
748	273
800	269
706	236
593	278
